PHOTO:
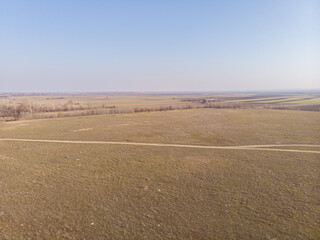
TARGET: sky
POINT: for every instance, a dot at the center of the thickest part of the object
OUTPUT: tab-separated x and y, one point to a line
159	45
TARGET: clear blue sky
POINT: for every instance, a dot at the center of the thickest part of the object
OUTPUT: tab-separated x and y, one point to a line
159	45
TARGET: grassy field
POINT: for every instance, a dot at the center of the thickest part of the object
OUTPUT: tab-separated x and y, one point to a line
194	126
79	191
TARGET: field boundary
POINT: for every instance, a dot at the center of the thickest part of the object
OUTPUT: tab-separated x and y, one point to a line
245	147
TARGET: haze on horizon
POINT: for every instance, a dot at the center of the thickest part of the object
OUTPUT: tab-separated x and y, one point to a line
54	46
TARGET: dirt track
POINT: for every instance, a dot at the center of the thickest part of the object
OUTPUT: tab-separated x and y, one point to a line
247	147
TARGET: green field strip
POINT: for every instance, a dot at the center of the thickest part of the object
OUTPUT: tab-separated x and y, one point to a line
255	99
280	100
302	102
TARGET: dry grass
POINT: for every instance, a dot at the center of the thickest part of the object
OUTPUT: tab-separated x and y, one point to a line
67	191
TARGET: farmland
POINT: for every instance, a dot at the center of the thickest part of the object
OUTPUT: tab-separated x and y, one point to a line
55	105
113	191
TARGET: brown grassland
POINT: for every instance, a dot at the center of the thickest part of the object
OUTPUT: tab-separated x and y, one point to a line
80	191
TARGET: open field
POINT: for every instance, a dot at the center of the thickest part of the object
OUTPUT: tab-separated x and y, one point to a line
61	190
160	120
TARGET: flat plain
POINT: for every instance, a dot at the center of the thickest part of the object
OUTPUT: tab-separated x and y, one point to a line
53	105
96	191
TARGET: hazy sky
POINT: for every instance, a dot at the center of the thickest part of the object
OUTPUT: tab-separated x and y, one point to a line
159	45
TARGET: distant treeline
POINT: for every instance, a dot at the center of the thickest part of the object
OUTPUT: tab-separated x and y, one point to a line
25	110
